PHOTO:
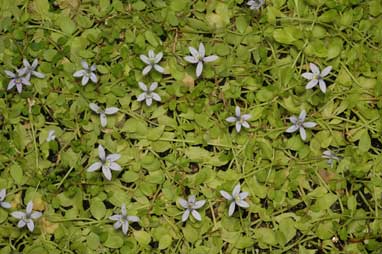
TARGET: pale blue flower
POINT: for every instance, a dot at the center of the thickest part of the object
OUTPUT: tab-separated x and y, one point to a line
148	93
27	217
31	69
86	73
239	120
198	57
237	198
191	205
18	79
255	4
102	113
122	220
316	77
152	61
3	204
107	163
299	124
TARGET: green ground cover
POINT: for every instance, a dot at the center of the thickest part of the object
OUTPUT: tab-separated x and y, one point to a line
100	153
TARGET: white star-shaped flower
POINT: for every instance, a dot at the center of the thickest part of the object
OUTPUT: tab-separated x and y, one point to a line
86	73
299	124
330	156
29	69
191	205
148	93
122	220
255	4
107	163
316	77
18	79
237	198
27	217
51	136
102	113
3	204
152	61
198	57
239	120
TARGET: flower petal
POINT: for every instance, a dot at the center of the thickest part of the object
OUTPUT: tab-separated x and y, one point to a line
158	57
236	190
307	75
153	86
21	224
202	50
226	195
111	110
158	68
142	86
238	126
326	71
11	84
245	124
149	101
5	205
311	84
193	52
293	119
231	119
231	208
151	53
199	69
115	166
210	58
125	227
185	215
117	224
35	63
3	193
196	215
95	166
146	70
84	64
183	202
79	73
26	63
106	172
309	124
38	74
93	68
314	68
302	133
10	74
242	203
85	80
245	117
302	115
199	204
29	207
133	218
123	209
191	59
36	215
155	96
243	195
101	152
141	97
18	215
19	87
115	217
322	85
103	119
191	199
94	107
145	59
93	77
292	129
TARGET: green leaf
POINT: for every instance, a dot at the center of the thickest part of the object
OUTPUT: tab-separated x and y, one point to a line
114	240
364	142
265	236
287	35
142	237
66	24
97	208
165	242
17	173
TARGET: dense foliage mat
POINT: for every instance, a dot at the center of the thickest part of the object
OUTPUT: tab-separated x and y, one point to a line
92	160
